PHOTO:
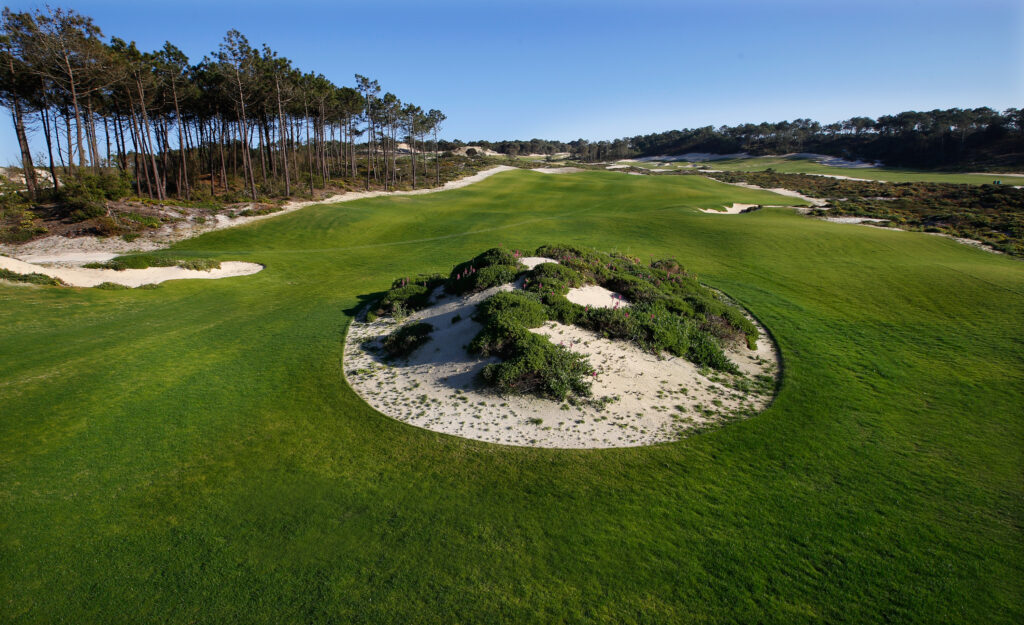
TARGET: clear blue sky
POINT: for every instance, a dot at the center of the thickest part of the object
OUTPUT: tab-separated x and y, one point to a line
564	69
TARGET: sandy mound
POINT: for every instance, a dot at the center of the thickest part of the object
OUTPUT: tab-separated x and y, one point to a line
638	398
78	276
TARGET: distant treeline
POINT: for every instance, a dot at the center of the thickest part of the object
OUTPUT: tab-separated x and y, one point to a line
941	138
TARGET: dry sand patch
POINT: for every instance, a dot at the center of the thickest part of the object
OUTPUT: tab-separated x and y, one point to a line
80	276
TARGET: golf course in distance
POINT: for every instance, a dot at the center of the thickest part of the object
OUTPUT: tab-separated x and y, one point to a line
192	453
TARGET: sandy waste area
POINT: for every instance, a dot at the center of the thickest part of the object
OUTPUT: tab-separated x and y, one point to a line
80	276
638	398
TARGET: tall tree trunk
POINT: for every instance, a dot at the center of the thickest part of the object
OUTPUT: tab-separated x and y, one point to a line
106	136
412	150
44	115
56	136
181	143
140	153
28	168
78	115
270	148
309	155
71	152
437	162
282	129
94	148
263	158
223	165
146	138
246	164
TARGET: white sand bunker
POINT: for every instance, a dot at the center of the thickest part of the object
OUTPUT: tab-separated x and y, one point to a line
638	398
533	261
595	296
80	276
558	170
735	209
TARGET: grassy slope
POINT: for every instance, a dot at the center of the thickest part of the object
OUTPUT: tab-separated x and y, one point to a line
886	174
191	453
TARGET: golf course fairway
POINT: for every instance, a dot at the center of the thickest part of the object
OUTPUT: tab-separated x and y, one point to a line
191	453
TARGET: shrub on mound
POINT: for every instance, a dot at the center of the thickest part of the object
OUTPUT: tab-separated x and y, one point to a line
539	367
670	311
552	278
494	267
664	283
506	318
406	339
409	295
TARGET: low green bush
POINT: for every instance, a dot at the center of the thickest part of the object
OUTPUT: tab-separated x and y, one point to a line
494	267
704	350
506	318
30	278
512	307
408	295
111	286
84	196
539	367
143	261
473	280
406	339
199	264
411	297
144	220
256	212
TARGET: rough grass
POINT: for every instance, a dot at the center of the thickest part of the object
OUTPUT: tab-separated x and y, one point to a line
191	454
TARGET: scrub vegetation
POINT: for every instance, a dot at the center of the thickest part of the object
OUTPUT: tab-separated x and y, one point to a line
668	310
142	261
991	214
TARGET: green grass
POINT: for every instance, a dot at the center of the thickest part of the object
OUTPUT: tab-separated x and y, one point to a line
192	454
885	174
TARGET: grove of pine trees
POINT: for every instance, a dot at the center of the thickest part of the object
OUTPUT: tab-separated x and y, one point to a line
241	123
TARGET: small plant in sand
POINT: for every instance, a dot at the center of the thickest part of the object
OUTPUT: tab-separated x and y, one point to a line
143	261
